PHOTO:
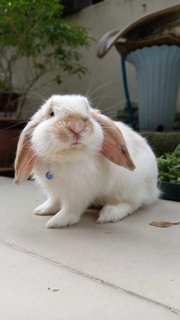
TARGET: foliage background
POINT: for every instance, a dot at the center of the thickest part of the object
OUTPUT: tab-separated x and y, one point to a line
33	31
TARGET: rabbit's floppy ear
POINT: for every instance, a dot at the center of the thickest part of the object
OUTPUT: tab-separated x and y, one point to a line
25	156
114	146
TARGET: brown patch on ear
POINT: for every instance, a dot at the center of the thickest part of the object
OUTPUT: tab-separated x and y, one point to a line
25	156
114	146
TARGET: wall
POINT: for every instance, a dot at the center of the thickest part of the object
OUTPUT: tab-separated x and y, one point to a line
103	83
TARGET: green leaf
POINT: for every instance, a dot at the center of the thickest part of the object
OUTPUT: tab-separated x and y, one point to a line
169	166
35	31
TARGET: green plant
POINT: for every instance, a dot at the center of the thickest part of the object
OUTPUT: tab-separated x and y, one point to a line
169	166
33	33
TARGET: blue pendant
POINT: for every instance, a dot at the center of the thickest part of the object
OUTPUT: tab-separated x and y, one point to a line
49	175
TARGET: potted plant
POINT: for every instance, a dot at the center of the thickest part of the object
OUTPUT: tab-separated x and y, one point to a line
34	41
169	175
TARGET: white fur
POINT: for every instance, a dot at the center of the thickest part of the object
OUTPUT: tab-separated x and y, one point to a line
82	175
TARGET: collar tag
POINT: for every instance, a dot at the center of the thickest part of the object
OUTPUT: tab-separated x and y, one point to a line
49	175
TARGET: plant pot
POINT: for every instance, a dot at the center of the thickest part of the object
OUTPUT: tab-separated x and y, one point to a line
152	45
170	191
9	102
9	134
7	172
158	78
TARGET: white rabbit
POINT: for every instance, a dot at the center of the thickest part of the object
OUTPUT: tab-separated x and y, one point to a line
81	157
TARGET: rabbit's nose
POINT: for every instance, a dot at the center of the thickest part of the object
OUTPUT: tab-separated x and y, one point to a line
76	126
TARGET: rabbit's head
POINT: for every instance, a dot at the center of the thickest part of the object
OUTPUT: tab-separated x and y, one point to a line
66	126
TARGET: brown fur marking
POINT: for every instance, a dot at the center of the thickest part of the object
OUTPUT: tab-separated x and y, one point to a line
71	122
114	146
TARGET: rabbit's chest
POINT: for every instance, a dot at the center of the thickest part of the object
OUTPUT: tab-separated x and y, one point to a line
69	173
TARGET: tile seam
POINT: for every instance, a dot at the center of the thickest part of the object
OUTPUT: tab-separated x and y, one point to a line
85	275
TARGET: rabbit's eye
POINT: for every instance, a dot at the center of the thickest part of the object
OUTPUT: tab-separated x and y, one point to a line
51	113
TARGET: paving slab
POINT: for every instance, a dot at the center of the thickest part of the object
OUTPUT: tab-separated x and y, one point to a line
35	289
130	255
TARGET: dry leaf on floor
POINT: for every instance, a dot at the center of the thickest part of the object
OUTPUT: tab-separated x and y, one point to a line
163	224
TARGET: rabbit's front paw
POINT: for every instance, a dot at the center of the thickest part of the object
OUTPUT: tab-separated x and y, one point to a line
62	219
47	208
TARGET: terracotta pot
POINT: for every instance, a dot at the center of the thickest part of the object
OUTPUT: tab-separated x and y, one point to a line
9	101
9	134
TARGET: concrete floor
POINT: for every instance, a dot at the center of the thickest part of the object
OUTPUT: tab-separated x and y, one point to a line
128	270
